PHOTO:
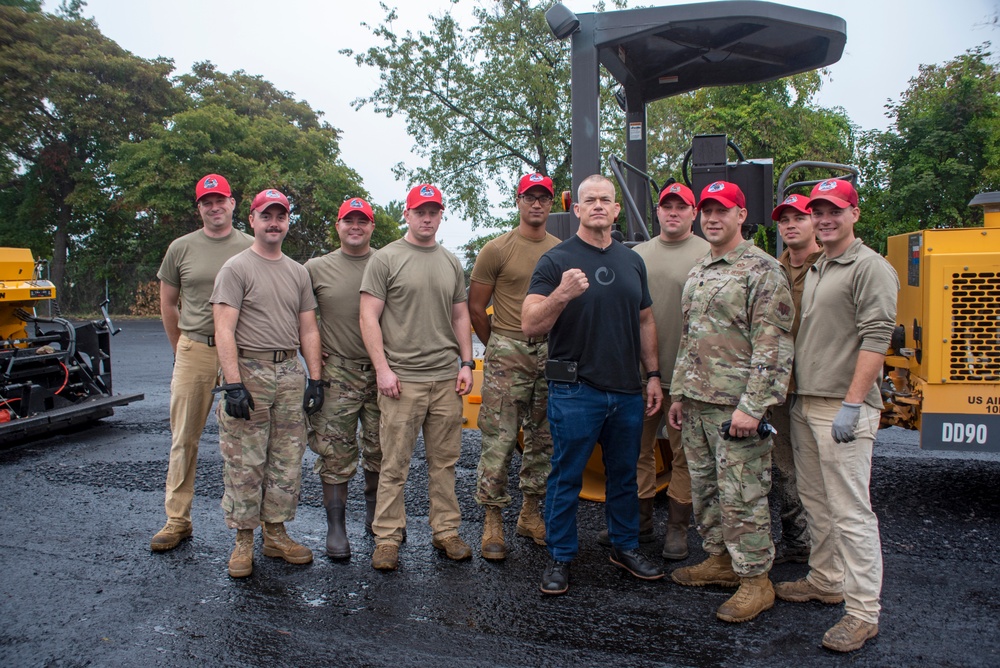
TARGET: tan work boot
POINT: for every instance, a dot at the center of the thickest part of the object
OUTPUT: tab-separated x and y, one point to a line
169	536
385	557
800	591
849	634
530	522
716	570
493	547
453	547
278	544
754	596
241	560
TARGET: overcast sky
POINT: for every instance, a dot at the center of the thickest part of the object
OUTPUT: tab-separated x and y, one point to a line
295	46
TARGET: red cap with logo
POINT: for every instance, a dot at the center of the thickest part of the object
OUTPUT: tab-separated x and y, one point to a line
800	203
725	193
531	180
678	190
212	184
423	194
356	204
266	198
838	192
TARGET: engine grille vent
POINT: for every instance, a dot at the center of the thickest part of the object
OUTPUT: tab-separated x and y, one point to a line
975	327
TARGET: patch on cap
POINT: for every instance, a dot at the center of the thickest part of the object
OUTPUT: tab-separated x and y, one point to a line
717	186
791	199
830	184
272	194
427	191
356	204
210	183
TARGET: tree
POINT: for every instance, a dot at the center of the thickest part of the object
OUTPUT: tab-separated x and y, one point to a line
942	148
775	119
68	97
483	105
243	127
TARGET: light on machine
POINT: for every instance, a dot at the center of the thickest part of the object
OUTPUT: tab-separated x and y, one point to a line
562	21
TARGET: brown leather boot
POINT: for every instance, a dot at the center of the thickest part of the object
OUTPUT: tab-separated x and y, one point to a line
335	503
675	545
493	547
371	495
849	634
278	544
241	560
529	521
646	532
386	557
716	570
754	596
169	536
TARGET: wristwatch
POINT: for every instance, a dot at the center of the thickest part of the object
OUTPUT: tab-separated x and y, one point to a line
653	374
469	363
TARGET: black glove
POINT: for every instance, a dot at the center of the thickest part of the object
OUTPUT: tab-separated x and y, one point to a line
312	400
239	403
764	429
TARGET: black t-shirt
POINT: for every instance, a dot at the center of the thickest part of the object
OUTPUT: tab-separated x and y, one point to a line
600	328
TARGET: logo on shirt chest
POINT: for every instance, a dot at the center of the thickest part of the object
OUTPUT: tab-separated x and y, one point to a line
604	276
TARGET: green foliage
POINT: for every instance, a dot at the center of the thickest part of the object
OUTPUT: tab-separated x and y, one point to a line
942	149
68	97
483	105
775	119
258	137
26	5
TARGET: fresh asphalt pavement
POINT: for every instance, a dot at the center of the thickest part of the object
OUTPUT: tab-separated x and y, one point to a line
81	588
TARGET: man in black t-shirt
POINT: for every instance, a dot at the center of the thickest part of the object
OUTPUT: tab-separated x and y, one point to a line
590	295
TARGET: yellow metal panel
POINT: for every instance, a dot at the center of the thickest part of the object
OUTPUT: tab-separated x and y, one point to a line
962	398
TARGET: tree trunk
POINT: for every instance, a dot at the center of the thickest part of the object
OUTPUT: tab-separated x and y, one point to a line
60	243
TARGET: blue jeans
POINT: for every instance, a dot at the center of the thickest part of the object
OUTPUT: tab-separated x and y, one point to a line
579	417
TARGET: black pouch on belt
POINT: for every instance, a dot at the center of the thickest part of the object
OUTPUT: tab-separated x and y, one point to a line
560	371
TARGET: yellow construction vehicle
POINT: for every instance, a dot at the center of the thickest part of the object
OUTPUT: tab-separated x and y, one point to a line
944	365
53	373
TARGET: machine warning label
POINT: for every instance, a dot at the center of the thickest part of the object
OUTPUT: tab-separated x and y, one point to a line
961	432
635	131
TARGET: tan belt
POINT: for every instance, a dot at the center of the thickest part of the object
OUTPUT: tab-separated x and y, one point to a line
519	336
201	338
350	364
269	355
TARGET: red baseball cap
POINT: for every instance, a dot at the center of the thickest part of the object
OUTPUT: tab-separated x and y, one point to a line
532	180
266	198
800	203
423	194
725	193
356	204
212	184
678	190
838	192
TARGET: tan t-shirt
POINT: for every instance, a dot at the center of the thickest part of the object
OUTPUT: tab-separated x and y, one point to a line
507	263
419	287
191	264
269	294
667	266
336	280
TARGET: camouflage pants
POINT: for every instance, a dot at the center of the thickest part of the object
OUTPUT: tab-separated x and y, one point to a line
334	432
729	485
515	395
262	456
785	491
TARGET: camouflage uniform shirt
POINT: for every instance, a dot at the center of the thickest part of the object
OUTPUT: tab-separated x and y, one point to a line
736	347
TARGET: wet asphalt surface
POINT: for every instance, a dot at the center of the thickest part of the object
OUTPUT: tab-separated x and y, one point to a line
81	588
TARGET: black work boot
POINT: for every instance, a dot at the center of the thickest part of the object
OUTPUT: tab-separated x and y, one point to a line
371	495
675	545
335	502
636	563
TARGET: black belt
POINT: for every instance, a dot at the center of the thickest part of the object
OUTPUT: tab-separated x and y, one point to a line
268	355
200	338
350	364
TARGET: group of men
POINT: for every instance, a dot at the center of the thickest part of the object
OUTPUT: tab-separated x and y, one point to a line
589	342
